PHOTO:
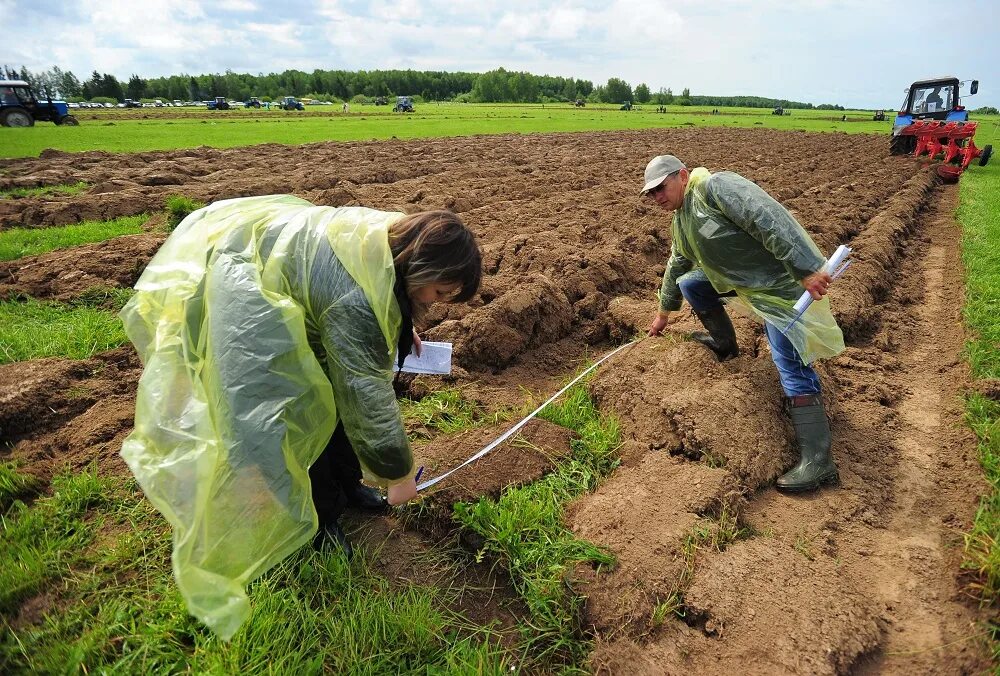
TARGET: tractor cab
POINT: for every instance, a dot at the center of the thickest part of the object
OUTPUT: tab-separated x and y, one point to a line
19	107
935	99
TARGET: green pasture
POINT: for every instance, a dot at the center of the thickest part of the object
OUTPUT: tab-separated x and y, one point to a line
166	129
979	215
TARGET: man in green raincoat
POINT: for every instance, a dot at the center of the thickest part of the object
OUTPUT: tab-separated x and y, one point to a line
730	239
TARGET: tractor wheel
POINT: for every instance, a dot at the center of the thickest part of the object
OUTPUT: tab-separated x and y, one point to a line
68	120
985	155
16	117
902	145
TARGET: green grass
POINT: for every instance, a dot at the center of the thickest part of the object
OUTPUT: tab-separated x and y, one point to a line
524	530
14	484
96	555
72	189
34	329
979	215
232	129
20	242
105	297
444	411
178	207
38	542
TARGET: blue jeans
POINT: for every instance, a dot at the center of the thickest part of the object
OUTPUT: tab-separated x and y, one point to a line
796	378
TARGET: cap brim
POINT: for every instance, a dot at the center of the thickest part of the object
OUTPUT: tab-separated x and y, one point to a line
652	184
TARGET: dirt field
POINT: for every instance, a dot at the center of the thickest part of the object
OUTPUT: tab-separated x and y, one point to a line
862	578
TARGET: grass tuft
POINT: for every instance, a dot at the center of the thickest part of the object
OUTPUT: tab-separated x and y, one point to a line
39	541
524	530
14	484
445	411
105	297
70	189
19	242
179	207
35	329
982	547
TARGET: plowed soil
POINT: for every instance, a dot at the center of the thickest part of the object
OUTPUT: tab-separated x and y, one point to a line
859	578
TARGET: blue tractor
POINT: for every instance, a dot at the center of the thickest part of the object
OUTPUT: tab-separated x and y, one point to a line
935	99
220	103
404	104
19	107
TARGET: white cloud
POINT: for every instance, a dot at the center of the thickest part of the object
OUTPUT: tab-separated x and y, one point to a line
854	52
237	5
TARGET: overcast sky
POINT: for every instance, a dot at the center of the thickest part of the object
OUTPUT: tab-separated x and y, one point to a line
859	53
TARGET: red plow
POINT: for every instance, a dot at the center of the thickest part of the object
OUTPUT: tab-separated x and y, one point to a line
952	140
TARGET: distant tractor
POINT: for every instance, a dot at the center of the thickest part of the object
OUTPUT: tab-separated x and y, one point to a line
381	101
291	103
19	107
626	105
778	111
253	102
220	103
879	116
932	121
404	104
580	103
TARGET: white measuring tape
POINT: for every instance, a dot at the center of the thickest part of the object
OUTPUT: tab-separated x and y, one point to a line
506	435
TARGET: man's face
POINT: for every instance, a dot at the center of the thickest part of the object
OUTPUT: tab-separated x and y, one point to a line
670	194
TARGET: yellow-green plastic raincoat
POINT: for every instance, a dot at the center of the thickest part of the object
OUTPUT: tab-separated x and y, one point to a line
234	318
745	241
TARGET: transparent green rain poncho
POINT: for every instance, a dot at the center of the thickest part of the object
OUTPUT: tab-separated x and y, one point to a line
234	405
745	241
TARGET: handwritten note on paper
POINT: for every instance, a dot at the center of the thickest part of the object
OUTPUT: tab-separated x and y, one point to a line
435	359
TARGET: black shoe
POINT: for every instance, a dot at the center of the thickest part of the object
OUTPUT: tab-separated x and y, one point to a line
721	336
365	497
332	535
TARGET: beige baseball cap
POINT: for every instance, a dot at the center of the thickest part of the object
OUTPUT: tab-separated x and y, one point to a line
658	169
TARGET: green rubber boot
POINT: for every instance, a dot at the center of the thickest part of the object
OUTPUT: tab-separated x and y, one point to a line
812	431
721	336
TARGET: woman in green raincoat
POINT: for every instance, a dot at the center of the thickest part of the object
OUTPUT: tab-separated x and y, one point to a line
269	328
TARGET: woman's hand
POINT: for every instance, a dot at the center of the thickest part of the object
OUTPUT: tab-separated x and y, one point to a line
402	492
418	345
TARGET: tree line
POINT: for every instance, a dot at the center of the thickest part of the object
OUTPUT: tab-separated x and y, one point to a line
495	86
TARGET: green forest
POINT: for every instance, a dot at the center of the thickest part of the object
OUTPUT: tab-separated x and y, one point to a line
495	86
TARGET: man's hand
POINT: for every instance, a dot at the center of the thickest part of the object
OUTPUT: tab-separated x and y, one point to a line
418	344
402	492
660	321
817	284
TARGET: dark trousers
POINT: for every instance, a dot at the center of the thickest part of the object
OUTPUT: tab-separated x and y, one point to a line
336	469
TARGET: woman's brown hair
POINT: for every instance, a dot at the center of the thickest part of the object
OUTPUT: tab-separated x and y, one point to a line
434	247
